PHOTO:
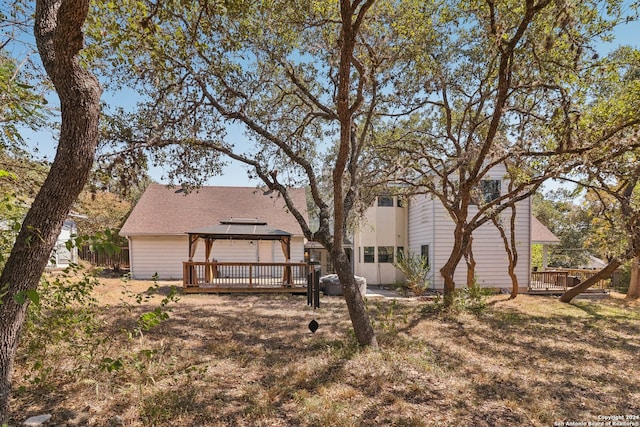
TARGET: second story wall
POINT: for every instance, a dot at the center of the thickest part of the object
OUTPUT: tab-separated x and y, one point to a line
431	232
376	243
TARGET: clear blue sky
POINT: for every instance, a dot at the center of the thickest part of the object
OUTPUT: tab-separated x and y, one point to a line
235	174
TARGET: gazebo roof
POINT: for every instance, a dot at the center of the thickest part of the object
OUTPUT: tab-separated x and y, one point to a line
541	234
240	229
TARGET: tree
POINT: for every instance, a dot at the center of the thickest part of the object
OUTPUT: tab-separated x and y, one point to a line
613	194
505	85
610	172
20	104
447	90
102	210
58	33
22	89
629	215
311	85
487	94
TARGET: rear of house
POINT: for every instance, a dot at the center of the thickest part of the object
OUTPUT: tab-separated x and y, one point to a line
432	236
382	234
420	225
158	225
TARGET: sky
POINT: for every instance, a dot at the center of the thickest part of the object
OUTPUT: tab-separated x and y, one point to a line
235	174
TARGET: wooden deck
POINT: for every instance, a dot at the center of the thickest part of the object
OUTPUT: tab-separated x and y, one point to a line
557	281
234	277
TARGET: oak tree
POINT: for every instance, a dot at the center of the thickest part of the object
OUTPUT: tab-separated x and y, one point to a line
297	91
59	37
505	83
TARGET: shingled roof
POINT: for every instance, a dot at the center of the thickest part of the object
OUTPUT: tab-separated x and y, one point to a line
169	211
541	234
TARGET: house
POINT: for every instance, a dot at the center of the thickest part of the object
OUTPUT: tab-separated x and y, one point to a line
421	225
159	226
64	254
383	232
162	225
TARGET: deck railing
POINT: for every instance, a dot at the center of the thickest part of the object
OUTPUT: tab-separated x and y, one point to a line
562	278
583	274
234	275
548	281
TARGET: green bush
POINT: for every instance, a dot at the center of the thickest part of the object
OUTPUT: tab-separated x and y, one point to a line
62	317
65	334
415	269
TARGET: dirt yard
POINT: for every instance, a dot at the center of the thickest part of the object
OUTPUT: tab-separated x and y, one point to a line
250	360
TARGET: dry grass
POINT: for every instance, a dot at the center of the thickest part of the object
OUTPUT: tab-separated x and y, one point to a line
251	361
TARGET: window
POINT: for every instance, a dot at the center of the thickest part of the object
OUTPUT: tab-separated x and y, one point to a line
401	202
385	254
385	201
424	252
399	252
369	254
490	189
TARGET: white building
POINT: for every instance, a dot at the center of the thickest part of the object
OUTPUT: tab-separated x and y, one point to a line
64	253
158	242
158	225
382	234
421	225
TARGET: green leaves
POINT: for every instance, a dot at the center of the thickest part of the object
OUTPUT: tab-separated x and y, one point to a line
152	318
111	365
31	295
415	269
20	104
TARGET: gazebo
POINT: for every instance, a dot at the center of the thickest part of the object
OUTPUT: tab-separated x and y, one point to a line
227	276
540	234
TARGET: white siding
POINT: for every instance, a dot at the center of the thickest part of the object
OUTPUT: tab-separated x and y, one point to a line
159	254
488	249
231	251
430	224
164	255
61	257
421	228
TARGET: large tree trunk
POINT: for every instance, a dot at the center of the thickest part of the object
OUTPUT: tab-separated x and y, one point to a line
58	32
355	303
471	264
449	268
607	271
348	154
634	282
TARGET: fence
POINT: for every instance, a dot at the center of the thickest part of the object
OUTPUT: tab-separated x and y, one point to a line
119	260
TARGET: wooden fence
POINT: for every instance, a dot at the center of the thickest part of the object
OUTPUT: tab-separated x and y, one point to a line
118	260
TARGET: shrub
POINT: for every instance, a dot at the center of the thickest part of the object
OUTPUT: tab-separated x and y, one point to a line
415	269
